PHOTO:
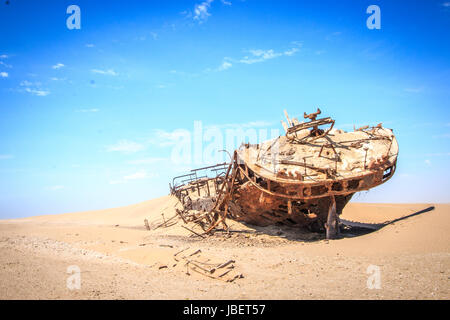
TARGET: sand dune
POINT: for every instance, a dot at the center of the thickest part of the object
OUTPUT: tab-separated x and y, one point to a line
119	258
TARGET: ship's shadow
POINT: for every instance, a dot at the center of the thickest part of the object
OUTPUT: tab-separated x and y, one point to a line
348	229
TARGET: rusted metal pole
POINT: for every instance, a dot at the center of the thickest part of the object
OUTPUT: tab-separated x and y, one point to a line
365	158
332	224
207	188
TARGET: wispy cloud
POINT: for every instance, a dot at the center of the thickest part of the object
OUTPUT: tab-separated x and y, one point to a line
25	83
109	72
137	175
58	66
201	13
257	55
36	92
260	55
6	156
225	65
201	10
291	52
89	45
4	75
446	4
4	56
33	88
5	65
125	146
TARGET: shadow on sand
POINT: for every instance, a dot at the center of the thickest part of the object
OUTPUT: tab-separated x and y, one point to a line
348	229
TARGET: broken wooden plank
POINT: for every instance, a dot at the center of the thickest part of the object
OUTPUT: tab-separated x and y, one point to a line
197	234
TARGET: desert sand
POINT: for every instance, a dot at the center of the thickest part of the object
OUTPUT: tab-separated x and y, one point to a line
120	259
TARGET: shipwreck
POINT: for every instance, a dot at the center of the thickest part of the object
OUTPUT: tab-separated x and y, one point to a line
302	179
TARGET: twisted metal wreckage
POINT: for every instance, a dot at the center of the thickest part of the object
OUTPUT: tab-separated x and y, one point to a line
304	178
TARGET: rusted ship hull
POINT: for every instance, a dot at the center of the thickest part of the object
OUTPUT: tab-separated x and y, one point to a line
303	179
253	206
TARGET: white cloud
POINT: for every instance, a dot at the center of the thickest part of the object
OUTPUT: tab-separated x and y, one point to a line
446	4
5	65
4	74
6	156
201	13
259	56
263	55
109	72
26	83
428	162
291	52
137	175
227	3
33	88
40	93
225	65
58	66
4	56
89	45
125	146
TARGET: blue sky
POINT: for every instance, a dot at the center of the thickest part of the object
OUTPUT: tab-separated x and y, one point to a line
89	117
